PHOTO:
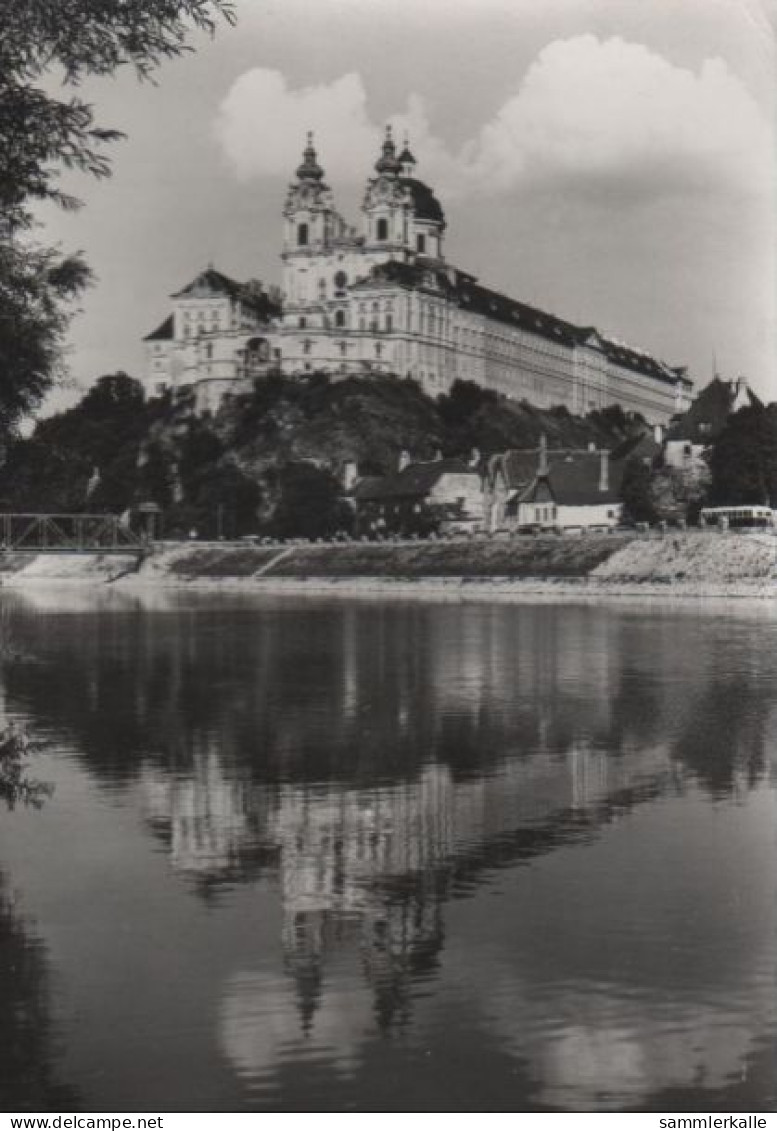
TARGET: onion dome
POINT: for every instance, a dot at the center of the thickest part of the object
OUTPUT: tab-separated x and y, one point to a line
388	162
407	160
310	170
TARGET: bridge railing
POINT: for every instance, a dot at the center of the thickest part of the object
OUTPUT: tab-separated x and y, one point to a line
62	532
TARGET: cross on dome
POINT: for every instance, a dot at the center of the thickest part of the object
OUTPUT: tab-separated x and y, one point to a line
406	159
310	170
388	163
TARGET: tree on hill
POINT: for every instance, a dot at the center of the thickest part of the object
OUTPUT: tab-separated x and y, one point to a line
636	493
743	461
309	503
43	134
82	459
219	502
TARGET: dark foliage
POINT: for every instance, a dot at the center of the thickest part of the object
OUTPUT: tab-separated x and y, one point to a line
309	503
219	501
743	460
38	291
84	459
16	787
636	494
270	461
46	129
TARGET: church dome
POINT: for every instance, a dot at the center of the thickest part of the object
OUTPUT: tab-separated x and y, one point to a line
310	170
425	203
388	162
406	158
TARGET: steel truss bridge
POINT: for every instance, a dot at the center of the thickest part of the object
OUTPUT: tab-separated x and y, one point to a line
77	533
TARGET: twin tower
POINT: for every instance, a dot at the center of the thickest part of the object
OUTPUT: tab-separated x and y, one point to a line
402	220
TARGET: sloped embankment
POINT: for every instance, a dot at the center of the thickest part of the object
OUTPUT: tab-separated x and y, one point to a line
694	558
18	569
518	558
691	563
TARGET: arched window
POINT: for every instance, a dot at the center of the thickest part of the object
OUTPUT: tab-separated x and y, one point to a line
420	243
341	280
339	318
303	322
302	235
382	229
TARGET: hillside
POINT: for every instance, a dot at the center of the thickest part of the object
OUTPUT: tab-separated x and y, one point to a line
269	461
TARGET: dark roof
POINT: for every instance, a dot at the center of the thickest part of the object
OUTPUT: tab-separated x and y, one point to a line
163	332
707	416
519	467
413	482
213	282
640	362
427	206
573	475
468	294
574	481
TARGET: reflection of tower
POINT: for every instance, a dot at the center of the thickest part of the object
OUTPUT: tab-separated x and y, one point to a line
303	945
338	851
399	946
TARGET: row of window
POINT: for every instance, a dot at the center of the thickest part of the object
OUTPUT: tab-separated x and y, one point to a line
202	315
381	234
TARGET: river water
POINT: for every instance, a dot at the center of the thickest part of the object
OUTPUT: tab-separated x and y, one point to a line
389	856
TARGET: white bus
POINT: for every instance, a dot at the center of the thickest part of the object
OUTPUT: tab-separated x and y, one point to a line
738	518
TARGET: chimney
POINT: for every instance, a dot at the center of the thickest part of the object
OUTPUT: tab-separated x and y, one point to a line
404	459
542	464
350	474
604	470
658	433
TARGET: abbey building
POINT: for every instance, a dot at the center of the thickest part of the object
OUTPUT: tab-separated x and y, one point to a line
383	298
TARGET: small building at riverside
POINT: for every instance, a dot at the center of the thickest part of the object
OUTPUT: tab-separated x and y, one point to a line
558	489
690	438
381	297
533	488
440	495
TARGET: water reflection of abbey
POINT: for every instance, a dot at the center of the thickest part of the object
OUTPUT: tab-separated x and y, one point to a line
360	768
518	760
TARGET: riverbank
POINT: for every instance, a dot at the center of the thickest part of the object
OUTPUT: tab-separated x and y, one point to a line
688	564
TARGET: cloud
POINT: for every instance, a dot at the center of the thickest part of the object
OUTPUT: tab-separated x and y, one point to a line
588	114
261	126
592	111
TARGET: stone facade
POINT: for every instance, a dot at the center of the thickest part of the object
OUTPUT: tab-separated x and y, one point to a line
220	336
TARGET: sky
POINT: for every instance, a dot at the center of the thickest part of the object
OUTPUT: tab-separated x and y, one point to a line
611	161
